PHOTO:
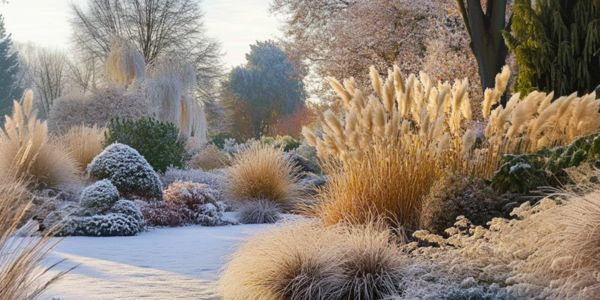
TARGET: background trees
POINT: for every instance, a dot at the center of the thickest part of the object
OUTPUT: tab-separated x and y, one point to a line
262	91
342	38
557	45
10	88
171	28
46	73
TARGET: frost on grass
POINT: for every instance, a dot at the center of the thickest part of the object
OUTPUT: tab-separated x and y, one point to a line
258	212
128	171
99	196
308	261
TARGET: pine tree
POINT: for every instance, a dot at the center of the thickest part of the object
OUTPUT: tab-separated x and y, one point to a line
557	45
9	72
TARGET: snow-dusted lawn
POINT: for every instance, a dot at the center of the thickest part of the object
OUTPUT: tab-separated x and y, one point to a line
164	263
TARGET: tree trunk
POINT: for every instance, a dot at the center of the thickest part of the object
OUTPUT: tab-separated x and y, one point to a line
487	43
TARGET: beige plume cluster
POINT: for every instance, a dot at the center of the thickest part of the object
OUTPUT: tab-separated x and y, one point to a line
26	153
399	111
436	118
538	120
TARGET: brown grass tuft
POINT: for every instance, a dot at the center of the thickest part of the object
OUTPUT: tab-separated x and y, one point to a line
309	261
83	143
26	153
211	157
264	172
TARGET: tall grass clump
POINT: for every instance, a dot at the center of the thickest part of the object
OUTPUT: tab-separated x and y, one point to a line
83	143
26	152
308	261
263	172
124	63
21	273
378	149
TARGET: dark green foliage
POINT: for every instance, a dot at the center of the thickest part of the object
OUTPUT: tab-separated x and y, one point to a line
159	142
523	173
265	89
9	70
485	30
557	45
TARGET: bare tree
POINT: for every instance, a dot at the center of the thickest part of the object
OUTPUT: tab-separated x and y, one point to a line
158	28
45	71
84	76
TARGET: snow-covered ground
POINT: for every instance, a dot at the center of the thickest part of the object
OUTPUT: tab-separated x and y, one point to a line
163	263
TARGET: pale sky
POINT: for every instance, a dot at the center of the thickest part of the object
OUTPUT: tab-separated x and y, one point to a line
235	23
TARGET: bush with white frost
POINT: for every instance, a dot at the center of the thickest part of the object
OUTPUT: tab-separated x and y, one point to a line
214	179
185	203
128	171
258	212
99	196
123	218
98	109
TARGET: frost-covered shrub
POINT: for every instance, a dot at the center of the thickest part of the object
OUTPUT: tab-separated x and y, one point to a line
127	170
189	194
215	180
160	143
455	195
163	213
98	109
128	208
258	212
310	261
111	224
124	218
99	196
185	203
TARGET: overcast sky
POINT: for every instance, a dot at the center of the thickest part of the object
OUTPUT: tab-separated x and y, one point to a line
235	23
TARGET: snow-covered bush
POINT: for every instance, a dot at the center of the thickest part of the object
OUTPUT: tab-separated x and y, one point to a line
128	208
163	213
111	224
310	261
98	109
185	203
99	196
258	212
214	179
189	194
124	218
128	171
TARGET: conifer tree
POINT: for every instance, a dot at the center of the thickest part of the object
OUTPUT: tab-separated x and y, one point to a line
9	72
557	45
